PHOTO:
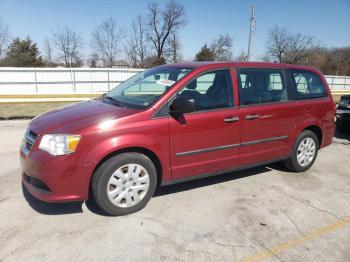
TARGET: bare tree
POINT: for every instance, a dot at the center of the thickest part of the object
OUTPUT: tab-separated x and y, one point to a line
93	60
220	50
107	40
68	44
136	44
242	56
300	47
130	51
283	46
277	43
222	47
173	50
338	61
48	52
163	22
4	37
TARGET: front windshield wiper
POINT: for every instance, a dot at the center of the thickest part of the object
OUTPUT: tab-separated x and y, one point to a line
114	101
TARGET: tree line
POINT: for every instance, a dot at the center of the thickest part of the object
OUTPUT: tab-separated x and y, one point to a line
153	39
283	46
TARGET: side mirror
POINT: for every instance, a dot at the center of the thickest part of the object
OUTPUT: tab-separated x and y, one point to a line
181	106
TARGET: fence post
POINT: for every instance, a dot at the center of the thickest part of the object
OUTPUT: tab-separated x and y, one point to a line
36	81
109	84
344	82
74	83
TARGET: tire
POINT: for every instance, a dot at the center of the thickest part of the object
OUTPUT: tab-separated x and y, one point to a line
309	151
124	184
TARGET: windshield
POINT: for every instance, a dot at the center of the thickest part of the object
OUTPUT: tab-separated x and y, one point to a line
143	89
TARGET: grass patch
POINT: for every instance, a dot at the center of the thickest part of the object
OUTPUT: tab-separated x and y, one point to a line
27	110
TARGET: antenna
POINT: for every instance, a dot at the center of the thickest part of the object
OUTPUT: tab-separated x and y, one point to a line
252	23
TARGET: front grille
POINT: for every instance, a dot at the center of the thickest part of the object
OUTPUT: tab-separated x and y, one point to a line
30	138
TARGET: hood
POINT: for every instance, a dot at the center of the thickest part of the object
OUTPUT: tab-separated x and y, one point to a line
75	118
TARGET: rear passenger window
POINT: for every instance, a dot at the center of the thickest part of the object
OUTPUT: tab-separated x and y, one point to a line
308	84
257	86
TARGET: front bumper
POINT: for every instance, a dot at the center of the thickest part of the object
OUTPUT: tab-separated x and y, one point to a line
55	178
343	114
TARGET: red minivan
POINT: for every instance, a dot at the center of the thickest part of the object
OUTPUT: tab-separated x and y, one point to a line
176	123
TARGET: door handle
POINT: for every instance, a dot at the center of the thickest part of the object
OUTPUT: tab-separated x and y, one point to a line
252	117
231	119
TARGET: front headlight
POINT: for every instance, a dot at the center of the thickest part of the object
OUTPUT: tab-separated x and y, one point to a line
58	144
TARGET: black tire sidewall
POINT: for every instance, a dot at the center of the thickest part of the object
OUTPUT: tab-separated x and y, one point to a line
105	171
294	162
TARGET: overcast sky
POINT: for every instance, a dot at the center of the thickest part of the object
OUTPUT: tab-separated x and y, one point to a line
328	21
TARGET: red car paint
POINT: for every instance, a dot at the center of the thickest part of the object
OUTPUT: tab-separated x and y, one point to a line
68	177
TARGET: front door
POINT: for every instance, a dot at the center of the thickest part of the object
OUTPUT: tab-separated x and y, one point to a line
268	117
207	140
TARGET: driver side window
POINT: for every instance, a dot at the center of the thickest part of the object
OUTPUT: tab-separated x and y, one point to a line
212	90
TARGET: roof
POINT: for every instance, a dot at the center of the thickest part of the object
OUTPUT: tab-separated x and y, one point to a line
195	65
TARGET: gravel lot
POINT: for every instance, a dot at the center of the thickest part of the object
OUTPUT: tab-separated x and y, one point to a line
262	214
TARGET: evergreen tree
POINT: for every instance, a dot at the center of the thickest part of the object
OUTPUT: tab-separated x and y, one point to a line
23	53
205	54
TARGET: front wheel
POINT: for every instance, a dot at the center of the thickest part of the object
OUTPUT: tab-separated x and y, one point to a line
304	152
124	183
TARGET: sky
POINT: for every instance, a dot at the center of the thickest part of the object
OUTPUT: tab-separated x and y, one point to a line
328	21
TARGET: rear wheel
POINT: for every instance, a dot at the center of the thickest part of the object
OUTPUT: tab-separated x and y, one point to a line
304	152
124	183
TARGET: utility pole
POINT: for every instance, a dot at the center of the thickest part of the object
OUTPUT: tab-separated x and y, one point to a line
251	29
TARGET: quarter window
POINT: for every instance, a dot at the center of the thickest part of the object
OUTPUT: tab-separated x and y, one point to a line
212	90
307	84
257	86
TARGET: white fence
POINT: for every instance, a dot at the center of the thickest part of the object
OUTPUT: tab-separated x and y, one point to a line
338	82
85	80
61	80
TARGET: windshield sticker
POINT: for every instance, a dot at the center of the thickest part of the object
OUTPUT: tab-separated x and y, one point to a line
165	82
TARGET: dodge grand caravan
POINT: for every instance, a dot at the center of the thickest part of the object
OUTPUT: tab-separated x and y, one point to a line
176	123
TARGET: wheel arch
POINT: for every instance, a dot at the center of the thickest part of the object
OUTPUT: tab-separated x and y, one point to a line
317	131
136	149
312	124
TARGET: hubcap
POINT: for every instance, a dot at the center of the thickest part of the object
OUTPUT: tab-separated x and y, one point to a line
128	185
306	151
